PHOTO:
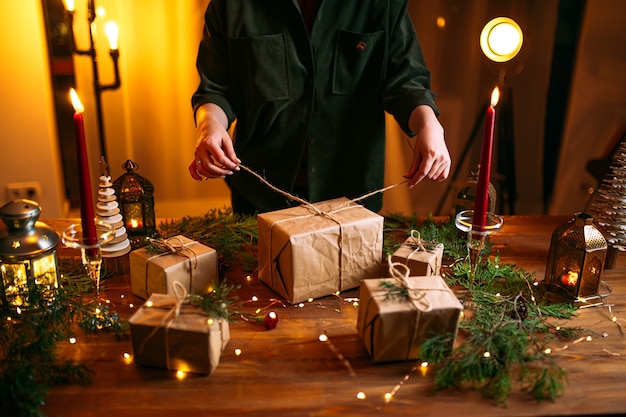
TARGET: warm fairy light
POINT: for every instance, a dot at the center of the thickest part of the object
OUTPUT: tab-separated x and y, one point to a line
209	322
424	364
97	311
323	338
72	340
536	283
388	397
131	305
254	298
441	22
180	374
557	328
301	305
19	310
361	395
128	359
237	352
497	294
547	351
614	319
107	301
486	355
126	355
355	304
589	338
149	303
78	106
310	300
257	311
337	293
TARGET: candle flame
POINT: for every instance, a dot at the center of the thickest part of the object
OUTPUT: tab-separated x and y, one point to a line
495	96
570	278
69	5
112	32
78	106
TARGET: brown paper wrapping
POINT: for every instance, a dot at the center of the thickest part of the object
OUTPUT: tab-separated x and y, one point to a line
394	329
304	254
190	341
195	267
422	259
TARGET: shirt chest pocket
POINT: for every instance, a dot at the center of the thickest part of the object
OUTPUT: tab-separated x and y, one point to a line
259	67
358	62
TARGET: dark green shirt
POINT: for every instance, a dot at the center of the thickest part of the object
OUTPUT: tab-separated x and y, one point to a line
323	92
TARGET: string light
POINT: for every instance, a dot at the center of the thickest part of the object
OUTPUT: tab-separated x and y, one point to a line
180	374
325	339
237	352
361	395
72	340
389	396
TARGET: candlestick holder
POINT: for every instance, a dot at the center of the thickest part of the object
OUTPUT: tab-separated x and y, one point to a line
91	52
476	238
91	255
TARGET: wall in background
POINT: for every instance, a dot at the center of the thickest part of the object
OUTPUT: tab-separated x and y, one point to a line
149	119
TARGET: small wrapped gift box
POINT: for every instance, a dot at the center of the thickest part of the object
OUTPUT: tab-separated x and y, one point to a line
394	328
422	258
167	333
179	259
316	250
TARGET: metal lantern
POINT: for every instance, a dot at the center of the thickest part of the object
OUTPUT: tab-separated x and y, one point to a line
28	258
575	261
135	195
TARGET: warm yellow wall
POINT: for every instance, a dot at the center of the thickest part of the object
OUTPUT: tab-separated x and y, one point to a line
28	139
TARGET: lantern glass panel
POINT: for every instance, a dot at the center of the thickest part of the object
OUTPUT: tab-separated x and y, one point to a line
45	273
15	282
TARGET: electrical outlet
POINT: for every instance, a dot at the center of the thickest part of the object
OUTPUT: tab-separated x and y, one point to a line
24	190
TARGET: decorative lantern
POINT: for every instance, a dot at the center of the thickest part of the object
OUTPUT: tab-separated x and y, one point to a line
28	258
575	261
135	195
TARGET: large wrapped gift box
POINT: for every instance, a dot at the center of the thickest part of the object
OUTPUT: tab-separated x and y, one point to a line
310	252
181	260
177	337
422	258
393	328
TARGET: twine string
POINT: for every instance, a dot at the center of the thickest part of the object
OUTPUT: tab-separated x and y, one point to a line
307	203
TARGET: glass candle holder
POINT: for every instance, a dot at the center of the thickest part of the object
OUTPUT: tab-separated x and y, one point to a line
476	239
91	255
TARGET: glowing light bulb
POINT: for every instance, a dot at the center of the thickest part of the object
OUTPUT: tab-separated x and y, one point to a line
72	340
237	352
361	395
323	338
180	374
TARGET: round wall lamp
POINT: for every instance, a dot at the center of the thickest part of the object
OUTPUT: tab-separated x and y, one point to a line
501	39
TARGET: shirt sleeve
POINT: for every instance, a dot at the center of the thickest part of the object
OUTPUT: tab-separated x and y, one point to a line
213	64
407	81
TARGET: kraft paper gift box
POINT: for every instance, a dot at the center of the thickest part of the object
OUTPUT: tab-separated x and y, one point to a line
183	260
394	329
311	252
422	258
188	340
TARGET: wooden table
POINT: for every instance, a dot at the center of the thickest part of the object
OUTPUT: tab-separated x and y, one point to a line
288	372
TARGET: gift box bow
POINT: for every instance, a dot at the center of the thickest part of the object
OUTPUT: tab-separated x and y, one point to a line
173	246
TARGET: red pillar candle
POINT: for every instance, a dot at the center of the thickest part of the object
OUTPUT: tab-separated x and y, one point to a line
87	216
481	200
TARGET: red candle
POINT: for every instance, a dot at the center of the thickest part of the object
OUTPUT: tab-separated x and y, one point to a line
87	216
481	200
